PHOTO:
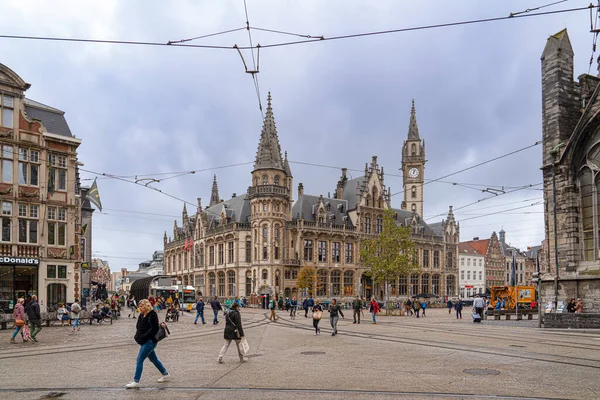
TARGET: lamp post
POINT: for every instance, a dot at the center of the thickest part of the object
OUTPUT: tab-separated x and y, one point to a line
554	153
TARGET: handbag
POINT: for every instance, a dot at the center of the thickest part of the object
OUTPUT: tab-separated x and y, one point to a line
19	323
317	315
237	332
163	332
245	345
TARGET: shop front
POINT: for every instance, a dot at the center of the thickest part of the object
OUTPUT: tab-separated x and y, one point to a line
18	278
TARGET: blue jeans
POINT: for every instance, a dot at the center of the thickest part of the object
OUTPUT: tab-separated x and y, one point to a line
373	314
17	329
75	323
334	321
201	315
147	351
215	320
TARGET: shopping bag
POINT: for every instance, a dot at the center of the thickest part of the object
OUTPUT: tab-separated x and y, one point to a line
26	333
245	345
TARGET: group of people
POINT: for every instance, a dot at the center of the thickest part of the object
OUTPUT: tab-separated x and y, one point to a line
575	307
415	307
28	319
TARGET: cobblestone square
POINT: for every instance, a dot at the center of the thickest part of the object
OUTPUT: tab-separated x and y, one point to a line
399	357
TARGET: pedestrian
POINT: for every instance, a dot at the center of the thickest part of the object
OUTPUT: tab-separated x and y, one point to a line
19	315
33	313
416	307
571	306
75	310
334	312
374	309
280	303
293	307
233	331
317	314
199	311
458	306
272	306
449	306
216	307
227	303
479	305
152	301
579	306
357	309
503	306
146	329
63	315
408	306
305	307
310	303
132	304
423	307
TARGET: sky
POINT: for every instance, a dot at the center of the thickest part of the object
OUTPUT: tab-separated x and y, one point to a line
142	111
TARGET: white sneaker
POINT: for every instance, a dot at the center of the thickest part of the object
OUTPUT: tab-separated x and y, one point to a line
132	385
164	378
220	360
243	359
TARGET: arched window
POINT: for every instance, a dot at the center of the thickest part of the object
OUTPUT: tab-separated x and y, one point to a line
265	180
450	285
221	276
336	277
231	283
248	283
277	278
211	284
57	294
403	286
425	282
276	180
375	196
435	284
413	149
265	231
322	283
348	283
413	207
587	212
413	192
414	284
265	274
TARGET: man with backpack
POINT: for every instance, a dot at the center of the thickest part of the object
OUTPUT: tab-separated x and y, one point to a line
75	310
33	313
199	311
357	307
216	307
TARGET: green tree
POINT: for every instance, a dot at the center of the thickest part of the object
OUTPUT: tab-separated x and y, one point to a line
307	276
389	254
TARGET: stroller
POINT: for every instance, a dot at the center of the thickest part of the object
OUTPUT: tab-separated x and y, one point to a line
172	314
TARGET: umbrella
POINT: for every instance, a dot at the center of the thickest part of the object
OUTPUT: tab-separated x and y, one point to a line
423	296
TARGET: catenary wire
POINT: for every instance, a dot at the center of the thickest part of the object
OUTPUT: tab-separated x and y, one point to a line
340	37
205	36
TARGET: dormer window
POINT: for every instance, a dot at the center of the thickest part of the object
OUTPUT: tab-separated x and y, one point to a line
265	180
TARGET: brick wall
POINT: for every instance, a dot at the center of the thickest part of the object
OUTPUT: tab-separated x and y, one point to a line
572	321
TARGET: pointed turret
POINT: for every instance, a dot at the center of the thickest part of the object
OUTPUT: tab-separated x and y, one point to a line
268	155
286	166
413	128
214	196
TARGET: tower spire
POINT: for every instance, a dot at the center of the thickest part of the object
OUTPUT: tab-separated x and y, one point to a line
413	128
286	166
268	155
214	196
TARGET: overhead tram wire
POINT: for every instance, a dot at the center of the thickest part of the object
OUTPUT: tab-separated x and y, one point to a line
503	211
170	42
477	165
254	63
320	39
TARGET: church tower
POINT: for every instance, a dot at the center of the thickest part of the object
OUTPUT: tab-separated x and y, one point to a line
413	166
270	203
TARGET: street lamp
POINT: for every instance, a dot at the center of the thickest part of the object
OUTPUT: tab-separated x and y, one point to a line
554	153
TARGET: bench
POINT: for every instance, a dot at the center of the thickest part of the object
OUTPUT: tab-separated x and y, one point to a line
509	314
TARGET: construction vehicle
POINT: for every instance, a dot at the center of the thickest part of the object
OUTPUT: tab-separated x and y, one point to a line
524	294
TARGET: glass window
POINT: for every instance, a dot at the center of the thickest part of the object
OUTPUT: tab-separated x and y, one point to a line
426	258
436	259
322	251
6	106
51	271
62	271
367	224
378	225
308	250
28	167
248	251
230	252
349	252
7	163
335	252
336	278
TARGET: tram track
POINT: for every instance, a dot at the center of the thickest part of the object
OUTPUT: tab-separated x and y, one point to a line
531	356
255	391
34	351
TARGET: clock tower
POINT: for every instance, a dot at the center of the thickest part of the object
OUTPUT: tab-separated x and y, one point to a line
413	166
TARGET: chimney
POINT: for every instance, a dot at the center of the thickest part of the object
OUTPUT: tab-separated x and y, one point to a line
233	196
300	189
476	238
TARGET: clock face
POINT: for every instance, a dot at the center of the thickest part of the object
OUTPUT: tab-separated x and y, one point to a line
413	172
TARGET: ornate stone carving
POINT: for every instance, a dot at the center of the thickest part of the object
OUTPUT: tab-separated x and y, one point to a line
28	192
53	252
5	189
6	132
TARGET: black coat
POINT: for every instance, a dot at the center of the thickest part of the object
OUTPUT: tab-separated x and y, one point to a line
146	327
233	321
33	311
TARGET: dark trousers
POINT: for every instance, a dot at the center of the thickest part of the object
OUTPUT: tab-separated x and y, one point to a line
215	319
458	314
356	315
306	312
316	324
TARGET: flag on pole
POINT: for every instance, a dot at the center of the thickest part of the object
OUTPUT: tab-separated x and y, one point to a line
94	195
83	229
191	245
185	245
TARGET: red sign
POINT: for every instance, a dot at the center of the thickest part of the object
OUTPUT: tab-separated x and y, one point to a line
469	287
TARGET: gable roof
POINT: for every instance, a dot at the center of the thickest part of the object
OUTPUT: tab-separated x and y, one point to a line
467	248
53	119
480	246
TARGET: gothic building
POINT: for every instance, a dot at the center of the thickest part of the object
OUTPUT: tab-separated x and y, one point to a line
256	243
571	172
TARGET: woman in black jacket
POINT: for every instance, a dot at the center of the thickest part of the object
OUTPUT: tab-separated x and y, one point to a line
317	311
233	331
146	329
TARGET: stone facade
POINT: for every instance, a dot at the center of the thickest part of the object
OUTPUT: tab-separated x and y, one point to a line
571	168
40	199
257	242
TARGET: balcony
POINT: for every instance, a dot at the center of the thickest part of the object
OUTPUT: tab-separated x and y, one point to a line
267	190
28	251
320	226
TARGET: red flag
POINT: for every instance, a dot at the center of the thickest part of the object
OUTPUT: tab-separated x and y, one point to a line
191	245
185	245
